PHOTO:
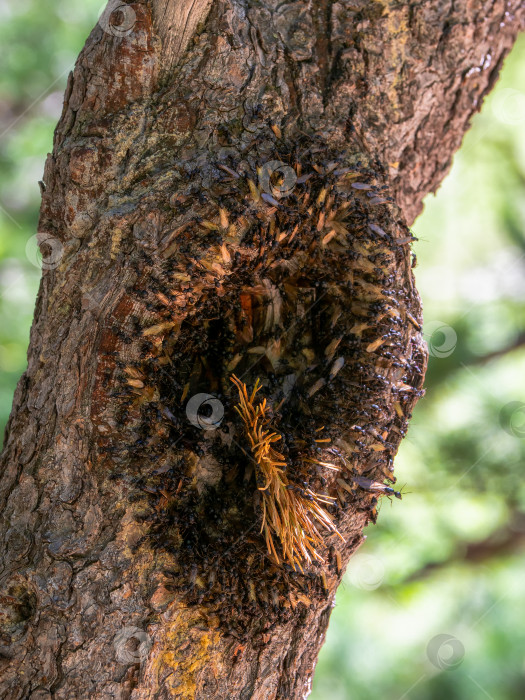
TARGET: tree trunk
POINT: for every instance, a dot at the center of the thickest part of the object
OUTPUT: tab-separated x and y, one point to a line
228	194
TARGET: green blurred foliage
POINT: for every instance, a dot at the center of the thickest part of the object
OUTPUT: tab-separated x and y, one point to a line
462	462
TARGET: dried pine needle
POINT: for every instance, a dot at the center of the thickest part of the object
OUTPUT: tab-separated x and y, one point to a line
290	514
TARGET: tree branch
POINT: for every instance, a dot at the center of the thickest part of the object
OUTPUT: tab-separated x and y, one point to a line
185	254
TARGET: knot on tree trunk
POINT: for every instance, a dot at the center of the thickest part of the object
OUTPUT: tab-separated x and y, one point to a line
296	274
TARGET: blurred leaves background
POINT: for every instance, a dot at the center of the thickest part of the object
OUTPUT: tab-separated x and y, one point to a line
432	606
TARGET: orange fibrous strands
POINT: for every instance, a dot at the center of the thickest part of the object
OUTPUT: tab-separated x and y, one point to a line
290	514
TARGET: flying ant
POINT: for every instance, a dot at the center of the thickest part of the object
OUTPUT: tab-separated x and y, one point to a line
375	486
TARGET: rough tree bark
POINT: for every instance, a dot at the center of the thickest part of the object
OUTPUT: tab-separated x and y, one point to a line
229	192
